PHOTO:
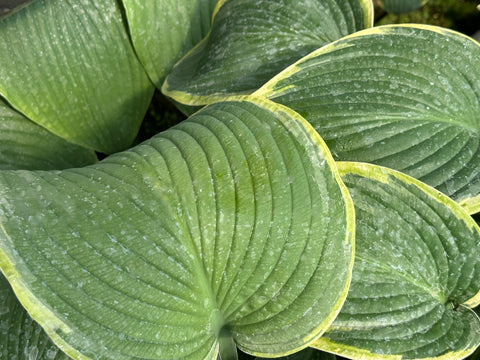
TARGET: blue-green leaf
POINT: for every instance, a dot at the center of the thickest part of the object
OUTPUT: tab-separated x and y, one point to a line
163	31
26	145
20	337
233	223
405	97
416	274
69	66
251	41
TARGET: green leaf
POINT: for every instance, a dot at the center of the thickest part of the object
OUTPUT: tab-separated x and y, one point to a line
251	41
69	66
234	221
163	31
416	273
25	145
20	337
402	6
404	97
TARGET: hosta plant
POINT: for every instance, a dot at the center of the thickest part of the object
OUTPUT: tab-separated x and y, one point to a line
398	96
237	228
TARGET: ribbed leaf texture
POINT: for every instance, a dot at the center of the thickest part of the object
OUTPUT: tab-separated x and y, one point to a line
251	41
405	97
163	31
232	224
416	274
69	66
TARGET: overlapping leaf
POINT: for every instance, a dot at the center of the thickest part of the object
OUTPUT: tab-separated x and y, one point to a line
416	273
251	41
232	224
20	337
70	67
25	145
163	31
405	97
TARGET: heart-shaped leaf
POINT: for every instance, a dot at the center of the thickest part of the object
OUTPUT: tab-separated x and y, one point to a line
26	145
404	97
416	273
233	224
251	41
402	6
163	31
20	337
69	66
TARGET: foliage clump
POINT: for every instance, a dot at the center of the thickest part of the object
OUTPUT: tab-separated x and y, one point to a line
281	179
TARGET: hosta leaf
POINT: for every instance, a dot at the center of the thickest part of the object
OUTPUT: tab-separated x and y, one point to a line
20	337
404	97
232	223
26	145
402	6
163	31
69	66
416	273
251	41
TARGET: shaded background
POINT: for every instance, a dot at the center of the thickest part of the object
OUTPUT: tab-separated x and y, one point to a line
460	15
7	6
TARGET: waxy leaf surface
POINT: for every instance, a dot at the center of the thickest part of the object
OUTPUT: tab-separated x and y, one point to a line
233	224
251	41
26	145
21	338
416	272
69	66
163	31
404	97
